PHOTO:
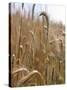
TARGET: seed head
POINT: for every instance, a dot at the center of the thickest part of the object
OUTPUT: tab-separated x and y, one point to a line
21	46
13	55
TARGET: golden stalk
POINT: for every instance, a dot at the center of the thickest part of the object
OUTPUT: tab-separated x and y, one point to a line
33	11
30	75
20	70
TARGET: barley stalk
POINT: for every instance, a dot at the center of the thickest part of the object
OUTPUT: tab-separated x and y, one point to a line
47	20
33	7
22	6
20	70
30	75
20	34
33	43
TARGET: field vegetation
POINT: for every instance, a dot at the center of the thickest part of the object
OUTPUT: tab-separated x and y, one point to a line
37	51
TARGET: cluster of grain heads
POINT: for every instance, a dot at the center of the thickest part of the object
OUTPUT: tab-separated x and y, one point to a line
18	74
32	51
38	76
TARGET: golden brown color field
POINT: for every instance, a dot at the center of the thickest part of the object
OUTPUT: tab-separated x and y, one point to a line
36	59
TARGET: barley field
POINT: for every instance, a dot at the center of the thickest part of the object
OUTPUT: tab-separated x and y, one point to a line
37	49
